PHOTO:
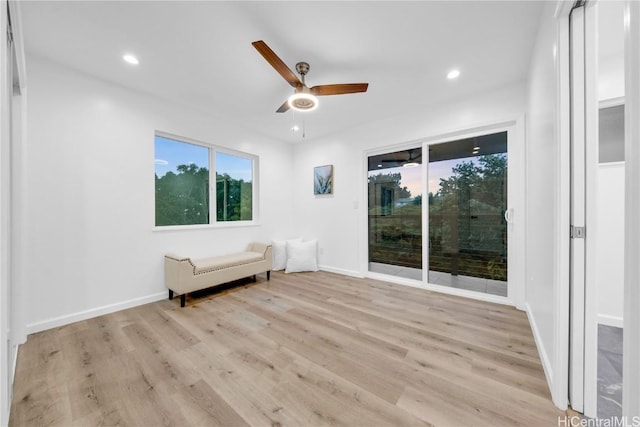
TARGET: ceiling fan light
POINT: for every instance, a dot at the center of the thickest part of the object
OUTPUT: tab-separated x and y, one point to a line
303	102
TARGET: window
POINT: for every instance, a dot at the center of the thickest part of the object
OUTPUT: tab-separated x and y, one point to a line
233	188
183	173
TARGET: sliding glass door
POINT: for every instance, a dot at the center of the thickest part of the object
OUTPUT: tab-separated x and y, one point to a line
463	236
395	213
467	190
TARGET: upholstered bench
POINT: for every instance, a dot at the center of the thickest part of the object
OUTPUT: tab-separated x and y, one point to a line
183	275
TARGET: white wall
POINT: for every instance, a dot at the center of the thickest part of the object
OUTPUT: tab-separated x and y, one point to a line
610	215
610	21
339	221
543	289
90	194
611	77
5	197
610	238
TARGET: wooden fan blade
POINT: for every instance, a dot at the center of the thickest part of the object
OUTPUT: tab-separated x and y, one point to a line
284	107
339	89
277	63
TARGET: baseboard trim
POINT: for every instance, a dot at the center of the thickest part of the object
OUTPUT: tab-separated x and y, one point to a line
615	321
15	364
12	376
344	272
544	358
93	312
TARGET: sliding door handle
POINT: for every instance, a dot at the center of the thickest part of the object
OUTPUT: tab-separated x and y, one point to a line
508	215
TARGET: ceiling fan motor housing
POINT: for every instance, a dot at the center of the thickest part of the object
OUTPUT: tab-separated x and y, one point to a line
302	68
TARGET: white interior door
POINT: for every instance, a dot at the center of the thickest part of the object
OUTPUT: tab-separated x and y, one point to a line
584	163
577	248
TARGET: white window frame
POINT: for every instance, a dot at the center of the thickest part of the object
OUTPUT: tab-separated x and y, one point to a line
213	221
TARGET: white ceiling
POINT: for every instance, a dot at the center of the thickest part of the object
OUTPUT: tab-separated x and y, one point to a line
200	54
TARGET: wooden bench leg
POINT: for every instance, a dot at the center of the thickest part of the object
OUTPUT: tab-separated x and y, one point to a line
269	275
254	278
183	298
170	294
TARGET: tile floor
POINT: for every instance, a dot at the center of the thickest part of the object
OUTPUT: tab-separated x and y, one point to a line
477	284
396	270
609	372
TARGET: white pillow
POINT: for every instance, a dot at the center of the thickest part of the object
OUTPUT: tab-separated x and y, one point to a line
301	256
280	253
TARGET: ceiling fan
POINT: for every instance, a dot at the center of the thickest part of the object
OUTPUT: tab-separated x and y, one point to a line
304	97
399	159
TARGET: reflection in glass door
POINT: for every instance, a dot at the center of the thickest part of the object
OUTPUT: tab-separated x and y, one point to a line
467	188
395	213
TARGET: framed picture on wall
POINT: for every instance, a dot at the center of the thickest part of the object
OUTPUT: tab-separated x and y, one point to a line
323	179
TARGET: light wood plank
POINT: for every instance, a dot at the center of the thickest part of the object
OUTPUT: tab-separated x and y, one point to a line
301	349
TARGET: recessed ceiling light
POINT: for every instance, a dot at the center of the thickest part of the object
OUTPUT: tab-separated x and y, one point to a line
295	128
131	59
453	74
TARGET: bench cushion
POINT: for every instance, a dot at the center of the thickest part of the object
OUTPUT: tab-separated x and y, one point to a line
206	265
183	275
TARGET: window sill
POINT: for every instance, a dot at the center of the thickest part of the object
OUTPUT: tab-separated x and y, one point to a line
230	224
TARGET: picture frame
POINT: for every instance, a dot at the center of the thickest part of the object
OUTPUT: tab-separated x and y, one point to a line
323	180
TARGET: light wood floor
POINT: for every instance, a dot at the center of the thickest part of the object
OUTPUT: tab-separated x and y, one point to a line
302	349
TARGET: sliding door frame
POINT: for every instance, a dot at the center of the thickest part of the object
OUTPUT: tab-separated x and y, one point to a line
631	316
515	207
514	125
